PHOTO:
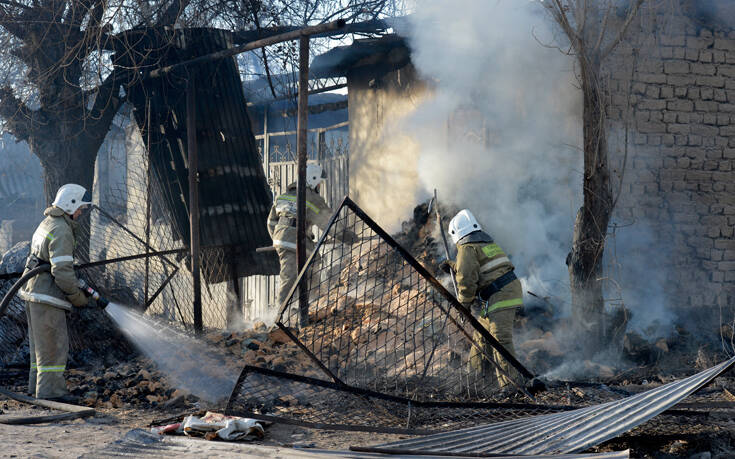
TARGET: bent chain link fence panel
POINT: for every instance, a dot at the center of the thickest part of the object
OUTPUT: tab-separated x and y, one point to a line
291	398
395	348
376	322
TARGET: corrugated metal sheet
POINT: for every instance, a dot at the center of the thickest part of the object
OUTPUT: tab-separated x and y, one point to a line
567	432
234	195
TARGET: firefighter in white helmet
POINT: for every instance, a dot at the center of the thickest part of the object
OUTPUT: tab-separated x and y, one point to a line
485	279
51	294
282	225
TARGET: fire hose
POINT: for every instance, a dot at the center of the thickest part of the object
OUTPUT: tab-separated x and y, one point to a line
89	291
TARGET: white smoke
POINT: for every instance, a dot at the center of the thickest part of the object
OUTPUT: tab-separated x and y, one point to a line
500	134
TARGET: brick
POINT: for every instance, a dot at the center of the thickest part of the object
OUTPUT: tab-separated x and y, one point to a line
720	95
667	92
706	106
682	80
707	93
728	108
656	116
704	130
655	78
715	81
709	118
691	54
703	69
718	57
651	104
678	105
724	44
699	42
723	119
667	139
694	93
669	117
680	91
705	56
730	95
727	131
678	129
679	53
724	244
726	70
676	67
638	88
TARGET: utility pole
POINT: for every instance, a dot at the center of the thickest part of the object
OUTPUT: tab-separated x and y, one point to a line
301	133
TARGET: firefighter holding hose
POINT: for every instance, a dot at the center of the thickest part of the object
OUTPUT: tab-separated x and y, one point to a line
485	277
50	294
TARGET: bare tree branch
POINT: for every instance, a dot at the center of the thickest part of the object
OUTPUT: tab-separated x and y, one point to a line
632	13
20	120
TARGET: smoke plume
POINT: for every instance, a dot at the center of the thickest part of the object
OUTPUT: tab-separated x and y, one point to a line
500	134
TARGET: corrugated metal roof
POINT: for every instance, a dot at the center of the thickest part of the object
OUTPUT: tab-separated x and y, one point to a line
567	432
234	196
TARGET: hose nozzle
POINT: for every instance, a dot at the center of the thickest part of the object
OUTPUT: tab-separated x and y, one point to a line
89	291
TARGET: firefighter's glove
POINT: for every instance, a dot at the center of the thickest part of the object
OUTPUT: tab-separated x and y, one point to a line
446	266
78	299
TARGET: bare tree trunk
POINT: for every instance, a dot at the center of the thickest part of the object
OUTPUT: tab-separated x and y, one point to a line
588	246
64	162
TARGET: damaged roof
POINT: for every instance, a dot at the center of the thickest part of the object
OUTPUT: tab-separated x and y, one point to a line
566	432
234	197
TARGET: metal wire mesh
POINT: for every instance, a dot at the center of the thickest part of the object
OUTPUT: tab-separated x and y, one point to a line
12	326
289	398
374	321
388	348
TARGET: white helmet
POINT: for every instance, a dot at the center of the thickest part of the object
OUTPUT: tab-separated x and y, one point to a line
463	224
314	175
71	197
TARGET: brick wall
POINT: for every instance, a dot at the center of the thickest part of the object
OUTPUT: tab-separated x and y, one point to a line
674	87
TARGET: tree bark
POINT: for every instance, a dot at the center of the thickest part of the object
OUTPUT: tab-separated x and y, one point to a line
588	245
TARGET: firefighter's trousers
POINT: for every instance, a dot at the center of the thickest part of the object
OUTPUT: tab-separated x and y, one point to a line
289	273
500	324
49	348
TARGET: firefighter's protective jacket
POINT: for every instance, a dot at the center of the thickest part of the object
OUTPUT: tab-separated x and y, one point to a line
480	263
53	242
282	218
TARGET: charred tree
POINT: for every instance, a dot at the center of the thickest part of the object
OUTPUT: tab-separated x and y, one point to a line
586	25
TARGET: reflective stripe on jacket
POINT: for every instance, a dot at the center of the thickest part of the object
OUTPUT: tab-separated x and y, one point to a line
478	265
284	206
53	242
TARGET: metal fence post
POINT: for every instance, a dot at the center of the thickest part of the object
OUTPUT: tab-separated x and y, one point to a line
303	113
191	141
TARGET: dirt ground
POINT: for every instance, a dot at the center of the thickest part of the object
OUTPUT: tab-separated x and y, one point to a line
97	436
124	432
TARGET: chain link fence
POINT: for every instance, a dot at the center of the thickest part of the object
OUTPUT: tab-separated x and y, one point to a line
388	347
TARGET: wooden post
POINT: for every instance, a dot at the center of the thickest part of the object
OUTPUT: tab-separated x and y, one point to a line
301	134
191	142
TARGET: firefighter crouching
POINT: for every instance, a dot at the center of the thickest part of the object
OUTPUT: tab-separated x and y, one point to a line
485	280
51	294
